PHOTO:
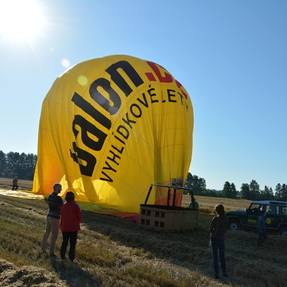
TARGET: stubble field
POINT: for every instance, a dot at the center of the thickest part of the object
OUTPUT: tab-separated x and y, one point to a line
115	252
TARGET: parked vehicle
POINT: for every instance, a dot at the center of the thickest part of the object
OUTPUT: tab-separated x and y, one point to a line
275	219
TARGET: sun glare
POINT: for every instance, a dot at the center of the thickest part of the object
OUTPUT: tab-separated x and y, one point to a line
21	21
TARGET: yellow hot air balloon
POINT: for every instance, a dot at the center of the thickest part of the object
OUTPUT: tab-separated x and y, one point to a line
111	127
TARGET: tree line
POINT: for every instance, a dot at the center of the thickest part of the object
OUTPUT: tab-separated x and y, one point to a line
249	191
22	165
15	164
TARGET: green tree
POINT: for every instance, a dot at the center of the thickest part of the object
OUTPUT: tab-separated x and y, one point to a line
16	164
195	183
254	190
188	180
281	191
227	189
278	191
13	162
233	190
267	193
245	191
2	163
284	191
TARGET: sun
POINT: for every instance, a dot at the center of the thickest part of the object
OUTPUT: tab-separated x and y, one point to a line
22	21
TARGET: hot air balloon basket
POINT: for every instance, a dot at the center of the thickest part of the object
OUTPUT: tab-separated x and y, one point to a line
167	217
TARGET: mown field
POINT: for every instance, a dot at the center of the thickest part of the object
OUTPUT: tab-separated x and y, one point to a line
116	252
23	184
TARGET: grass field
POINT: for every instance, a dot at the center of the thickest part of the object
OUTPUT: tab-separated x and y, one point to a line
23	184
208	203
116	252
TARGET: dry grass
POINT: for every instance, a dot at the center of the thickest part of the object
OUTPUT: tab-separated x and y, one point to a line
115	252
10	275
23	184
208	203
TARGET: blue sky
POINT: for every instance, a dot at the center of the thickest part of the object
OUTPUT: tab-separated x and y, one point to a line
231	56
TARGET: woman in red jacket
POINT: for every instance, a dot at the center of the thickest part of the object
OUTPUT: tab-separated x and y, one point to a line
70	225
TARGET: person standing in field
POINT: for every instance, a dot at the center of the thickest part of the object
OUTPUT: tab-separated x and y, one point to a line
261	229
193	203
217	238
70	225
15	183
55	203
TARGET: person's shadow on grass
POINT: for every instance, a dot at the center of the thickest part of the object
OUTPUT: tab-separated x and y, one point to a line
73	274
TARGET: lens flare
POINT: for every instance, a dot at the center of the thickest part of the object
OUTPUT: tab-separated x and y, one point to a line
65	63
83	80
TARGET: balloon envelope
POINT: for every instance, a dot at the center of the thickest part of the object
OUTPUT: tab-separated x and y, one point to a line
111	127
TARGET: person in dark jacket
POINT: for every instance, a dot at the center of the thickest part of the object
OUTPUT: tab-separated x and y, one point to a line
55	203
70	225
15	183
217	237
193	203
